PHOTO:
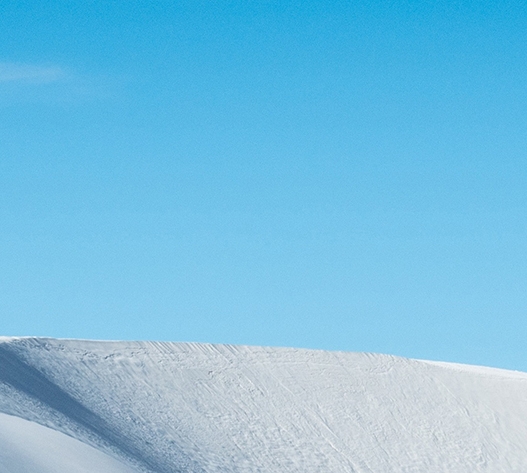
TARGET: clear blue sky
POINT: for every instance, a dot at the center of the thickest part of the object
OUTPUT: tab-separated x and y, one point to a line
336	175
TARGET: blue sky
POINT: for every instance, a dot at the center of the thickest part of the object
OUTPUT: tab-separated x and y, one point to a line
336	175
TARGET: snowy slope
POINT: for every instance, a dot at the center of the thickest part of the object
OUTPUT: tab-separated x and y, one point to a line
27	447
169	408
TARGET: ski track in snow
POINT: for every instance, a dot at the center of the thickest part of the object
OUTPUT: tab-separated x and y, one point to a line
199	408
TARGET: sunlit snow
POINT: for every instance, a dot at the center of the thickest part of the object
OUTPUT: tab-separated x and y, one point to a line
119	407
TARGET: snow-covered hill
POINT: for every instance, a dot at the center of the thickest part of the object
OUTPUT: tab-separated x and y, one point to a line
122	407
29	447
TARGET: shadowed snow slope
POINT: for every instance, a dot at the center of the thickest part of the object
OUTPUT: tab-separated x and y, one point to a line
27	447
182	407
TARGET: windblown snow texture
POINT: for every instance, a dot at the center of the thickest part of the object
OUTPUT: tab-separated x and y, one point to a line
197	408
30	381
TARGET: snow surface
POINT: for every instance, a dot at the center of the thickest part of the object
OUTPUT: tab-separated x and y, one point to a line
186	407
27	447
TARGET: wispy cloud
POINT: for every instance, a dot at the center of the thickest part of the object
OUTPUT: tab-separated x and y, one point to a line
29	73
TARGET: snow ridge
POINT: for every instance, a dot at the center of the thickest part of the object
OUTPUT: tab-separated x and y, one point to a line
32	383
199	408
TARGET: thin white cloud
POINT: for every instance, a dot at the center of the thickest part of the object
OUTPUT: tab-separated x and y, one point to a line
29	73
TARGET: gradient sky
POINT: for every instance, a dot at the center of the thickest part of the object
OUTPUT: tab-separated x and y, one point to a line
320	174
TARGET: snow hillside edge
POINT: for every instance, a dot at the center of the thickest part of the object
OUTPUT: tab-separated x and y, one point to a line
123	407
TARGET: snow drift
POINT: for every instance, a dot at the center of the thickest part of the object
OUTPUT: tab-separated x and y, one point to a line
123	407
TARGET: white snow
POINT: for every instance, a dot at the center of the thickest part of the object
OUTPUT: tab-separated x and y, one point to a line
27	447
184	407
